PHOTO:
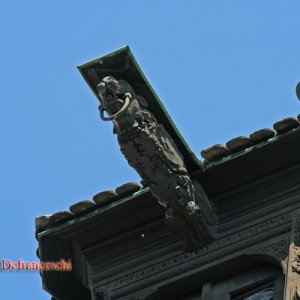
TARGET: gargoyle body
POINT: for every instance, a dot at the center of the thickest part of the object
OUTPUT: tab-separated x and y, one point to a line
151	151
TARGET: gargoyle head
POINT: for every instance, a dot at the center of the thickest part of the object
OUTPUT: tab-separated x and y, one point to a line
113	93
116	94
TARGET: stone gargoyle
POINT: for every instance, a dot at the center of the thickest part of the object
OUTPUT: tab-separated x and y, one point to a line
151	151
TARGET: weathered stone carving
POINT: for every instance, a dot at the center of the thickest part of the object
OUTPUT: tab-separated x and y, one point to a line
293	276
151	151
295	264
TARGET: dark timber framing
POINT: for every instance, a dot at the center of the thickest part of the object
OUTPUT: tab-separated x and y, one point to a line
124	250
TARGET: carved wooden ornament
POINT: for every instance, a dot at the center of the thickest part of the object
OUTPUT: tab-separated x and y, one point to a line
151	151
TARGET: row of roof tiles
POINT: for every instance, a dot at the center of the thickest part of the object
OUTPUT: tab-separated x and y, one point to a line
99	200
83	207
218	152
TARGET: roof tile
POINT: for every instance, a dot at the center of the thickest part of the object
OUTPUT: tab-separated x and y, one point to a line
261	135
60	217
285	125
238	144
215	152
42	222
128	189
105	196
82	207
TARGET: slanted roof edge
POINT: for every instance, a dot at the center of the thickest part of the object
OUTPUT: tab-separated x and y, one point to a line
92	213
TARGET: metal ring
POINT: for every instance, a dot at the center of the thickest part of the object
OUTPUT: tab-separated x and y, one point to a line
113	117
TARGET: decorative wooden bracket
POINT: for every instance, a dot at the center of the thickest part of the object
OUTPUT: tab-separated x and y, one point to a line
151	151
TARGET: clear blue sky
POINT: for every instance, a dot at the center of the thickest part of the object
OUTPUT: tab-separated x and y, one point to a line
222	69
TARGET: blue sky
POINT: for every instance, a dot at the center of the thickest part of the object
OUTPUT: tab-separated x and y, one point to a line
222	69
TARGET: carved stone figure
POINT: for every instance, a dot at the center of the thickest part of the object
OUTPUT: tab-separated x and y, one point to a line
151	151
295	263
293	276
